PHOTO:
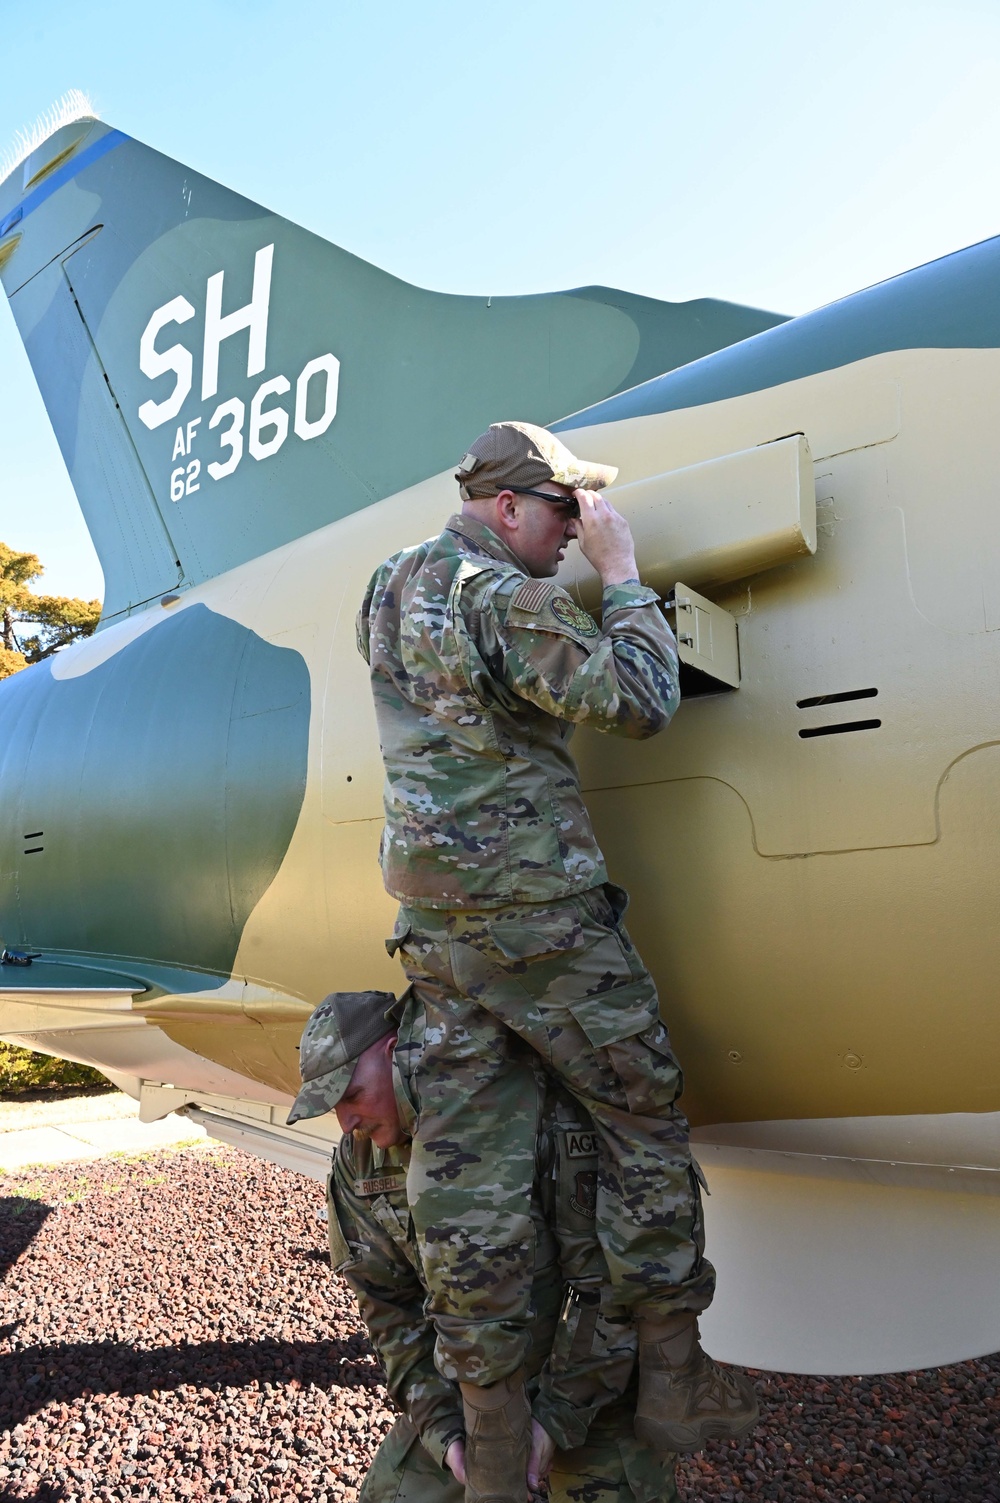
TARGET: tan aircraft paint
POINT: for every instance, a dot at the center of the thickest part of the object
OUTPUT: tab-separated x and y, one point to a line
823	975
821	913
834	1007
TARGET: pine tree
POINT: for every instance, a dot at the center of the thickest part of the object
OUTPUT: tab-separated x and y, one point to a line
32	627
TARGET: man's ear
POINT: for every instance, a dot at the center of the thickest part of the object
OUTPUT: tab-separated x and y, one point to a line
507	509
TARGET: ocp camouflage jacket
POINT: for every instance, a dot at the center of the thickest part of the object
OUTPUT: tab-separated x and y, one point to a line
479	674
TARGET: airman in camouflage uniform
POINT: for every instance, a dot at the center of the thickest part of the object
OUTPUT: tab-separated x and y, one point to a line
579	1362
480	668
582	1355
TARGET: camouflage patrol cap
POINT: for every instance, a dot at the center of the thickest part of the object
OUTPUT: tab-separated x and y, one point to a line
343	1026
519	454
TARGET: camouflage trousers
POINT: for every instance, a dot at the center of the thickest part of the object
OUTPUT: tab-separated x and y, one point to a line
611	1468
566	981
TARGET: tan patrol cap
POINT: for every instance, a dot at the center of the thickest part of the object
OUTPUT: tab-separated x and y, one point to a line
519	454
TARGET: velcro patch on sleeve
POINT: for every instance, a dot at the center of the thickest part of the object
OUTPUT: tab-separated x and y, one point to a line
540	603
532	595
570	614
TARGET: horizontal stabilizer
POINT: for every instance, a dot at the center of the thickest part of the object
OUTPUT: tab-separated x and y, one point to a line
52	979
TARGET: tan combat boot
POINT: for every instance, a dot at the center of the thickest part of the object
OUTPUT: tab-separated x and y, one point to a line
686	1399
497	1441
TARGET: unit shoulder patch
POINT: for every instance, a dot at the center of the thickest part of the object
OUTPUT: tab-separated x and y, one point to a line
584	1196
547	606
570	614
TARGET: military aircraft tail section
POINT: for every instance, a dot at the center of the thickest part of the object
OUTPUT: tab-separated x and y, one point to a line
191	803
222	381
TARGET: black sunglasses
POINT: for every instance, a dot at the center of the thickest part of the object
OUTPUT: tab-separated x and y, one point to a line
574	506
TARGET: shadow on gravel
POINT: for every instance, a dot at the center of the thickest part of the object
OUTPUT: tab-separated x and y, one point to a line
46	1492
40	1375
21	1219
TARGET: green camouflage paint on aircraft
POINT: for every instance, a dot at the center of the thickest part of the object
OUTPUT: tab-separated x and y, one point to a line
221	383
190	801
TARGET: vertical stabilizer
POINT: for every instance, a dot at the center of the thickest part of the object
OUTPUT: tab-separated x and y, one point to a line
222	381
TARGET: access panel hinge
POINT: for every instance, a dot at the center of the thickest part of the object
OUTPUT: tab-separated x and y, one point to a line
707	642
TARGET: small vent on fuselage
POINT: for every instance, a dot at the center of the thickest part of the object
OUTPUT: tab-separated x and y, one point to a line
32	850
835	699
840	730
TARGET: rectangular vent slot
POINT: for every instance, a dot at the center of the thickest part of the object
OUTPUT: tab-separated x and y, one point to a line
32	849
34	835
835	699
841	730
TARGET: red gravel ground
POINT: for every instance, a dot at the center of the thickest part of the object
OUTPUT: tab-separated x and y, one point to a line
169	1329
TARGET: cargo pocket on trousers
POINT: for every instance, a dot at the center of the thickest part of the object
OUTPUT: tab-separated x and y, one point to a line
699	1185
617	1012
555	932
648	1072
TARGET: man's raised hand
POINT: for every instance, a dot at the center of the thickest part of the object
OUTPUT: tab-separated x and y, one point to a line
605	538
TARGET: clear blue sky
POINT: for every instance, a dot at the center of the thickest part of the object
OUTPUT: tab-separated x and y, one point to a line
781	153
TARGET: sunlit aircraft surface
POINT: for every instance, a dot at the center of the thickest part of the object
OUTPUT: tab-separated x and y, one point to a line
190	801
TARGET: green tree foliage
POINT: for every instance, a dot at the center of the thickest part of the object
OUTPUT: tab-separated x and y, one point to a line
32	627
21	1071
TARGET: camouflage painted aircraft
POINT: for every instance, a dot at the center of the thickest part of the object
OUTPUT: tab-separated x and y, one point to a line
190	801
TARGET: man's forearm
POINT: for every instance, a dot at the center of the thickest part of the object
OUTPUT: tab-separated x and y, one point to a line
391	1303
404	1341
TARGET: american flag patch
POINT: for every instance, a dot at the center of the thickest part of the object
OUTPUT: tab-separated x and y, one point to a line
532	595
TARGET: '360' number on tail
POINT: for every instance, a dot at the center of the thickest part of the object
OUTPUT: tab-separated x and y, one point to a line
316	386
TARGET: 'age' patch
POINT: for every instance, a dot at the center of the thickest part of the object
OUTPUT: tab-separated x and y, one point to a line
581	1145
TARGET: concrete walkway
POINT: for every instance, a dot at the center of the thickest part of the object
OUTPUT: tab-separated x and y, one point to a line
83	1127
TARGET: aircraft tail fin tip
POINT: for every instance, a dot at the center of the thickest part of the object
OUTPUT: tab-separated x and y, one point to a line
66	110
